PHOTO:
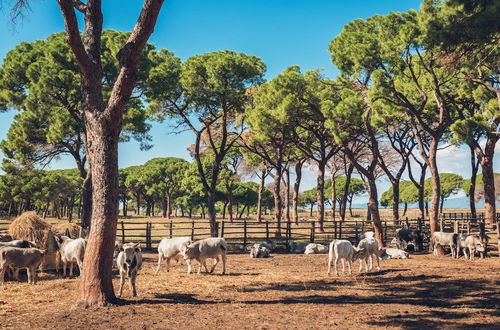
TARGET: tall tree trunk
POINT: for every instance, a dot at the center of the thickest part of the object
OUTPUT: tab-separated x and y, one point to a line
311	210
346	191
138	203
164	205
224	210
277	200
442	205
96	286
287	194
436	187
87	200
212	215
489	180
230	203
320	193
395	201
334	196
405	209
472	188
296	187
373	206
259	197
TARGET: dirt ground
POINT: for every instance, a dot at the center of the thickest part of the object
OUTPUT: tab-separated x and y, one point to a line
284	291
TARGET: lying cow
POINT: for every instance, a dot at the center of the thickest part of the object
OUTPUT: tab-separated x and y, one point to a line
297	247
71	252
29	258
315	248
443	239
369	250
260	251
344	251
129	262
405	236
19	243
268	243
204	249
472	243
170	249
390	253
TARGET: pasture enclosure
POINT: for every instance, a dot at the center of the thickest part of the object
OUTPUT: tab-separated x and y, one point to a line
284	291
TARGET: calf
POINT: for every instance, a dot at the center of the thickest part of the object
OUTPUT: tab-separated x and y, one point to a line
344	251
471	242
71	251
314	248
369	246
390	253
129	262
260	251
443	239
171	249
29	258
203	249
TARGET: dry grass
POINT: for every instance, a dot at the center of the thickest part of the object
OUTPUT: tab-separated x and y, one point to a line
29	226
285	291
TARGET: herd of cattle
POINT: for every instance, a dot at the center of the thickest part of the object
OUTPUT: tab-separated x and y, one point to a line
22	254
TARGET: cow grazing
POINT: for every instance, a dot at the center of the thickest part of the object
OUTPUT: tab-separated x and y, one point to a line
203	249
344	251
443	239
71	252
390	253
19	243
29	258
369	248
315	248
260	251
405	236
170	249
129	262
472	243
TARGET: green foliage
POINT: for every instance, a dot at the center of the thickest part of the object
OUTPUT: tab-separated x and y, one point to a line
408	194
450	184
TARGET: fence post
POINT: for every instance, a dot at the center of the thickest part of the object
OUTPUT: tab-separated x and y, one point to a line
335	229
244	233
356	231
267	229
289	229
171	231
123	233
148	236
419	224
340	230
192	230
455	226
313	225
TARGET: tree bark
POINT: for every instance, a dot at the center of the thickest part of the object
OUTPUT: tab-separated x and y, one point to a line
87	200
230	203
287	194
277	200
436	187
320	193
489	180
395	201
259	197
346	191
373	207
472	187
296	187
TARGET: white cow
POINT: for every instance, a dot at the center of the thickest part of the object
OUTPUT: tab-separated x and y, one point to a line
390	253
29	258
71	251
260	251
443	239
471	242
297	247
315	248
203	249
342	250
369	246
129	262
170	249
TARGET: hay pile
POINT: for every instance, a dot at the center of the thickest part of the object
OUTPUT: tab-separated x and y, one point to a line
29	226
65	228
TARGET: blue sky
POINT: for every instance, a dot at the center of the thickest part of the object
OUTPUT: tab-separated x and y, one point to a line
282	33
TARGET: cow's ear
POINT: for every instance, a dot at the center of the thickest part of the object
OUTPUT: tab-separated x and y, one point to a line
137	249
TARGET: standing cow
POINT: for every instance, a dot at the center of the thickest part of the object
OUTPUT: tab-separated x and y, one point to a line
29	258
368	248
71	251
344	251
443	239
405	236
129	262
171	249
471	242
203	249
